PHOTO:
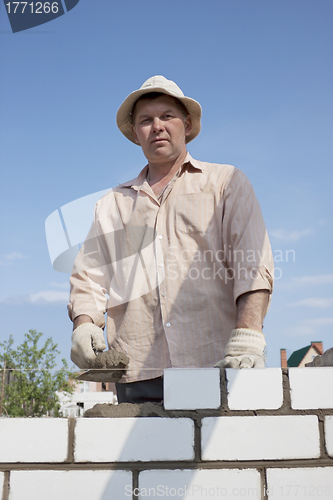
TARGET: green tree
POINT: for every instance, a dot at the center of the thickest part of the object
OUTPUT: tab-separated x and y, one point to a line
31	380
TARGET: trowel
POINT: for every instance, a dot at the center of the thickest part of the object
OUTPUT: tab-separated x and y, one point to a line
109	366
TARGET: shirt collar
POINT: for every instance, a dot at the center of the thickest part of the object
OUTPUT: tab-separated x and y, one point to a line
194	163
138	181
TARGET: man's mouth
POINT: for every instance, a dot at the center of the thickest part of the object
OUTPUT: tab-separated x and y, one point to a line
160	139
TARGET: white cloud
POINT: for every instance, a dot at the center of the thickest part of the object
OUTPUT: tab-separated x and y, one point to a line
290	236
10	257
48	297
45	297
311	327
317	279
313	302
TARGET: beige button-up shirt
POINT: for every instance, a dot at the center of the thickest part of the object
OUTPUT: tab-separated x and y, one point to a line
168	273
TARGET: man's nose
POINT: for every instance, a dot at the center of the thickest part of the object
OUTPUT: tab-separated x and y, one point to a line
157	124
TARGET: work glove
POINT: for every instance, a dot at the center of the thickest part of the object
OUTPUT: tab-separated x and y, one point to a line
87	341
246	349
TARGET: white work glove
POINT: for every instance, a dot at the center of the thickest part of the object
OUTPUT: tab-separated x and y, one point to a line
87	339
246	349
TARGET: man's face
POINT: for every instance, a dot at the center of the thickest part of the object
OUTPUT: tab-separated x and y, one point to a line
161	128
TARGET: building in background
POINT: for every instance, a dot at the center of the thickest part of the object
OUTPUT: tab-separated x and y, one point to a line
85	396
302	356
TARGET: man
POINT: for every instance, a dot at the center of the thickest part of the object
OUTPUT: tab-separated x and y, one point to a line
179	257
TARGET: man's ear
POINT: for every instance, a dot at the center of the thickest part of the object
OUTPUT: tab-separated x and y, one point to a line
134	134
188	125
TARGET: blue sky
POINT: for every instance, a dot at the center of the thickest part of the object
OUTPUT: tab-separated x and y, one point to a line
262	71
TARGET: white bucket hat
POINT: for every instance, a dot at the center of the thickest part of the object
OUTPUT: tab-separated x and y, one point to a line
158	84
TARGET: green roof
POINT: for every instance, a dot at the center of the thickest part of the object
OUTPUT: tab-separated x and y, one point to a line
297	356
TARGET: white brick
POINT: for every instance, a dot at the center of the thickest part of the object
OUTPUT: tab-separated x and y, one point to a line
134	439
70	485
200	484
329	435
33	440
254	389
301	483
311	387
191	389
260	437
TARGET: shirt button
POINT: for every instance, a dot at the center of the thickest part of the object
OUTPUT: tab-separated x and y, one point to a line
160	237
168	325
160	265
163	294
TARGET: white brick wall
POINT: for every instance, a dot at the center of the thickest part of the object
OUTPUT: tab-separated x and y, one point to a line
329	435
302	483
33	439
36	444
200	484
191	389
254	389
70	485
260	437
311	387
134	439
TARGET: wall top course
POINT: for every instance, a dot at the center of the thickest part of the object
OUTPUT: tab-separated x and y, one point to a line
191	389
264	390
311	388
254	389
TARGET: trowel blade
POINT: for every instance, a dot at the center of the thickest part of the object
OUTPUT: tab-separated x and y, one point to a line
100	375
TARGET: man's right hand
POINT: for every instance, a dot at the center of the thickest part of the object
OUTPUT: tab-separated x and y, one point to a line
87	340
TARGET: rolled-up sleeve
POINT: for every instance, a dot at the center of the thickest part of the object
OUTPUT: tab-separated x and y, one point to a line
247	249
90	278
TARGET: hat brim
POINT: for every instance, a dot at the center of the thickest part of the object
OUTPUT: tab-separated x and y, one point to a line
124	112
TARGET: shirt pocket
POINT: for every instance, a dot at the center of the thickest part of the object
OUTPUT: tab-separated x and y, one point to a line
195	213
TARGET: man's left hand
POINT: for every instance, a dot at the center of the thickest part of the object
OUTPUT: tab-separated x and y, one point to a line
245	349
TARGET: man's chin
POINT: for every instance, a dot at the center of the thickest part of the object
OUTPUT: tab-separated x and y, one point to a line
160	150
164	152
